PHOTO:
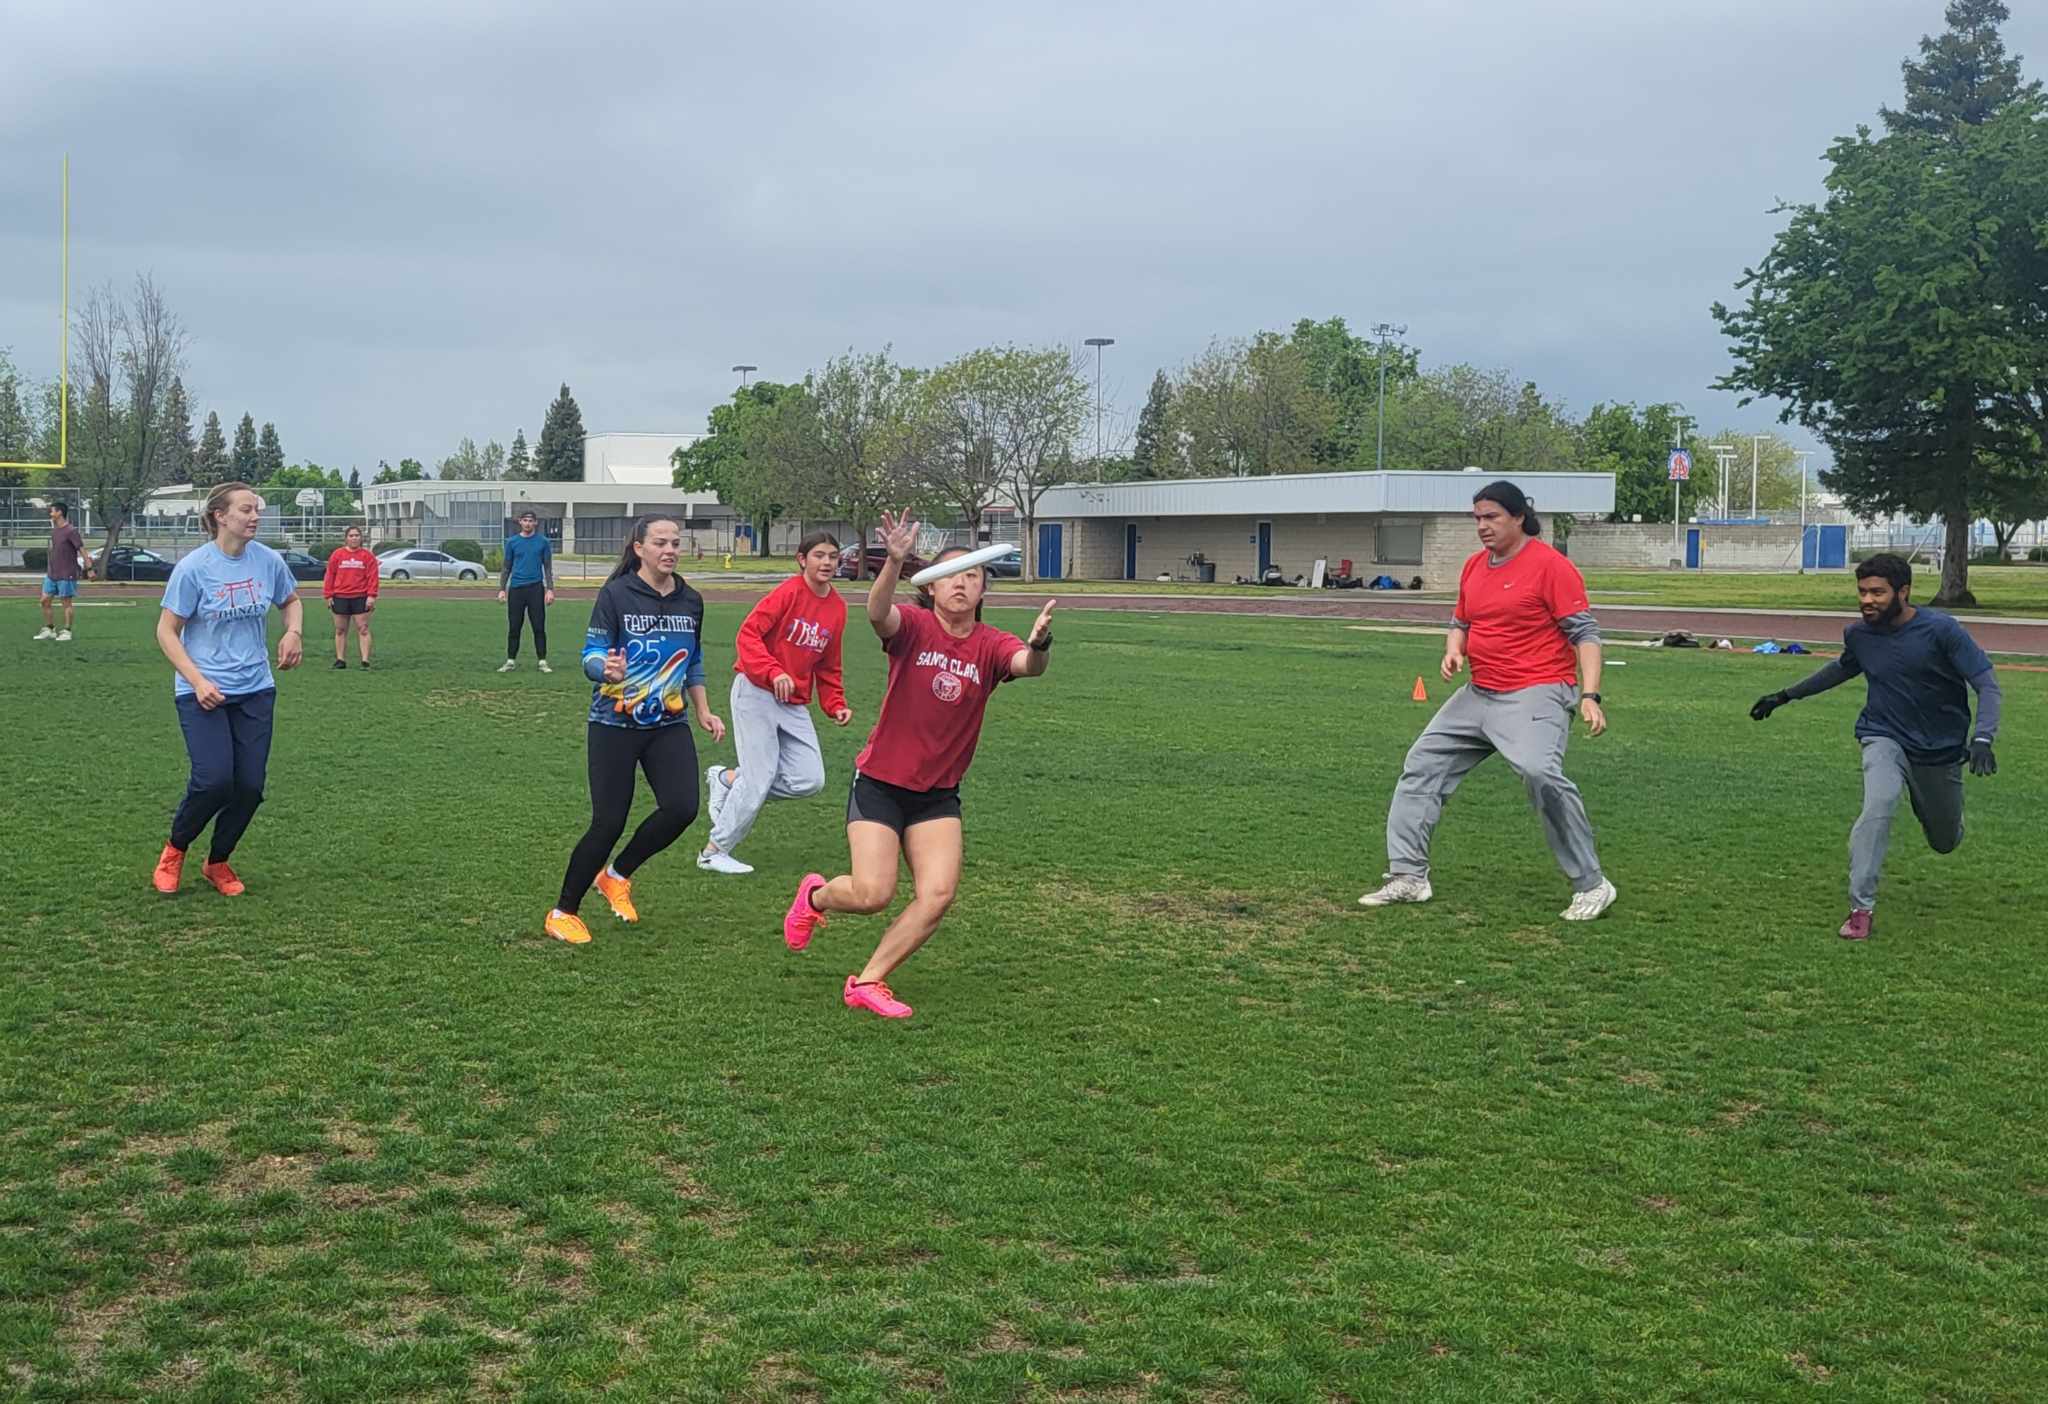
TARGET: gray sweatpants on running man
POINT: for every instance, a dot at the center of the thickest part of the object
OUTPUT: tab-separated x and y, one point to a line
1529	728
778	759
1888	772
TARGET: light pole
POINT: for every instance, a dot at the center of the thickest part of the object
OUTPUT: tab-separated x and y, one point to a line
1724	454
745	371
1756	451
1098	342
1802	455
1386	332
1678	423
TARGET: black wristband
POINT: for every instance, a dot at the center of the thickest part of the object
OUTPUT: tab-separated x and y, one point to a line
1589	697
1043	645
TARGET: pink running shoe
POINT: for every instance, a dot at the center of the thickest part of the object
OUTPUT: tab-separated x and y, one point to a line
875	996
803	920
1857	927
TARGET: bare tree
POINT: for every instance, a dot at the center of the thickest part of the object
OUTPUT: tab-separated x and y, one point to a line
849	446
131	351
1044	404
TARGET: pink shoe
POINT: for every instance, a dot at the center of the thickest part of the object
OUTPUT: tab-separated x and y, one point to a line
1857	927
803	920
875	996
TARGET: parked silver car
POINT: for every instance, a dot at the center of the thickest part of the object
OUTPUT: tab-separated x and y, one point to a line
422	563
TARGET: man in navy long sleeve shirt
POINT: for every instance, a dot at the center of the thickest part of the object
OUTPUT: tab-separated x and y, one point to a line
1915	727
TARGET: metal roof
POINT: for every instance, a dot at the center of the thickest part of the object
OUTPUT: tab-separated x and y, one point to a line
1293	494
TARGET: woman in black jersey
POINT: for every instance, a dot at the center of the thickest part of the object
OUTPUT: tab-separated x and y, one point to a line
644	651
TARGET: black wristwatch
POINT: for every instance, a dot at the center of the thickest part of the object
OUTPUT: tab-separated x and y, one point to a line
1589	697
1043	645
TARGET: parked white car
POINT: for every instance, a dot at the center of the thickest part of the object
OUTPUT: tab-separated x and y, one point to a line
422	563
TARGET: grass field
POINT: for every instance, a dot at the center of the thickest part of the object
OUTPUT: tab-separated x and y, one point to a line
1175	1119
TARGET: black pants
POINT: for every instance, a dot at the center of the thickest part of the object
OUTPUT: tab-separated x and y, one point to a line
526	602
230	751
669	756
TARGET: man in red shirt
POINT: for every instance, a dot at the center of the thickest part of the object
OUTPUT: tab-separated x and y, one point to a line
1525	626
350	590
787	640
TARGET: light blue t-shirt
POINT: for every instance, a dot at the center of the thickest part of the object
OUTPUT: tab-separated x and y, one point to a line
526	559
224	601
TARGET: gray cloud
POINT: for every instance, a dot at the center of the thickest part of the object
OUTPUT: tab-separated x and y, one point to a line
390	226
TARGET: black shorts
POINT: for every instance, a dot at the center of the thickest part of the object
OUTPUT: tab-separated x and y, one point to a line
878	802
350	604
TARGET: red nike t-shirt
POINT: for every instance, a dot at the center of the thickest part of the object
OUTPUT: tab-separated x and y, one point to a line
938	687
1512	610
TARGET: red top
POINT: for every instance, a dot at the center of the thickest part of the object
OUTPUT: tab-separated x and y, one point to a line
938	688
1513	611
795	631
350	575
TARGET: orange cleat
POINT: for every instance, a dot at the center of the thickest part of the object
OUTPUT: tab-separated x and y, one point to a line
619	892
170	866
223	879
567	926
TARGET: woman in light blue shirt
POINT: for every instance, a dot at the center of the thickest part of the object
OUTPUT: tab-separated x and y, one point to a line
213	629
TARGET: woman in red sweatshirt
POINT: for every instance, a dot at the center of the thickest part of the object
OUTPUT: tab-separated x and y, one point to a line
350	590
789	639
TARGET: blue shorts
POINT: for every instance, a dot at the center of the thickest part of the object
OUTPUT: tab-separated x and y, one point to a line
60	589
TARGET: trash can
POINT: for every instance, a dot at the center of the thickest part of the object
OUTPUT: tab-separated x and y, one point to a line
1206	572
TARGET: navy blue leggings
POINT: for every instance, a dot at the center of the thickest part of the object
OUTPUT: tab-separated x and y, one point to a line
230	750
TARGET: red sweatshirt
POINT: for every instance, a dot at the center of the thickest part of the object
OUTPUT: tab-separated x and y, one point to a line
350	574
793	631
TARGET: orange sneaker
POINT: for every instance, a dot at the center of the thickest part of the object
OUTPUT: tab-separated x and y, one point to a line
619	892
223	879
170	866
567	926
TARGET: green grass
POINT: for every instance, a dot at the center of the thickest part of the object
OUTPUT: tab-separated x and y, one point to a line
1175	1119
2015	590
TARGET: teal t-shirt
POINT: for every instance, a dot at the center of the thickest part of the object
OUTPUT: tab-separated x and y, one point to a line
526	558
224	601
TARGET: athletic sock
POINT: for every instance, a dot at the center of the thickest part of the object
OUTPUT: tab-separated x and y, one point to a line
812	898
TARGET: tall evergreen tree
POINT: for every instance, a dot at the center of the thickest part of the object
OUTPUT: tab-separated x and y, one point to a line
355	479
520	463
244	464
558	458
210	459
1152	428
1963	77
177	434
269	454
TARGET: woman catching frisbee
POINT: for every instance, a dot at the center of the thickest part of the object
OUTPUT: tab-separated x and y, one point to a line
791	638
943	664
643	650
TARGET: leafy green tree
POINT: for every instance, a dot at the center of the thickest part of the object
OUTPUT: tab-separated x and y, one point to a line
243	463
1346	369
734	459
558	458
1464	416
269	453
472	464
18	429
177	431
1148	455
1248	407
1635	445
961	408
282	488
519	464
1963	76
210	459
355	480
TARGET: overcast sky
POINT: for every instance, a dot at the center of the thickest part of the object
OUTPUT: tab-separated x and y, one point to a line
400	224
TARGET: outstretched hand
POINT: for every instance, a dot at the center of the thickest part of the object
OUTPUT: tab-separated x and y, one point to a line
899	534
1767	704
1042	629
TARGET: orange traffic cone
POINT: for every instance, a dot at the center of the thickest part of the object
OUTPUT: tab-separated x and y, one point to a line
1420	694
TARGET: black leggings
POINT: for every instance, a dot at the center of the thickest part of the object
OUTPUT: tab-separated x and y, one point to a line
526	602
669	756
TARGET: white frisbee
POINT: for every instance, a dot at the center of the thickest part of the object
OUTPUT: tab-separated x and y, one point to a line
962	563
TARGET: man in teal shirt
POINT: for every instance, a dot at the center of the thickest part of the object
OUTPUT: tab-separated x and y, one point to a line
527	586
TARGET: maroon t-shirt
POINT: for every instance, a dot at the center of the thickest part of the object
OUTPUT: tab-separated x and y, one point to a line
930	721
66	545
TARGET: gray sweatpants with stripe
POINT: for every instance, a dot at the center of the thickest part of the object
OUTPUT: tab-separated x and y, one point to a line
1888	773
778	759
1528	728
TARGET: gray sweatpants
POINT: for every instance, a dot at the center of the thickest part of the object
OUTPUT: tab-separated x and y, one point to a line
778	759
1937	794
1529	728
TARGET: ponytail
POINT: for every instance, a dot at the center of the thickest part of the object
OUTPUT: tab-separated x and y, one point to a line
1513	501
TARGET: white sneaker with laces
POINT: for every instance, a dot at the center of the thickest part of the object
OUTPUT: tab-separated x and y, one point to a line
1401	887
717	790
712	860
510	664
63	636
47	633
544	666
1590	903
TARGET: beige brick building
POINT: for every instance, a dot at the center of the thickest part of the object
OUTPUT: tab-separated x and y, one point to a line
1401	524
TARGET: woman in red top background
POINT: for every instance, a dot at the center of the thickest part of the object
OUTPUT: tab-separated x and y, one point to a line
943	665
350	590
790	638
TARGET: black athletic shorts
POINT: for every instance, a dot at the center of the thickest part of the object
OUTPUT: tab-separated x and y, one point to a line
879	802
350	604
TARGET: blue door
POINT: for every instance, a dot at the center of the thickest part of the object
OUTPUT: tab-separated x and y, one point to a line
1049	552
1809	548
1130	550
1824	548
1265	546
1692	548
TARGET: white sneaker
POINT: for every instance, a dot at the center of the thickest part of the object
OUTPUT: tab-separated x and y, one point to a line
712	860
47	633
510	664
1587	905
544	666
63	636
716	789
1401	887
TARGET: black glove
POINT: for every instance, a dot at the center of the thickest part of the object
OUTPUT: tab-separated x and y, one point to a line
1982	762
1768	704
